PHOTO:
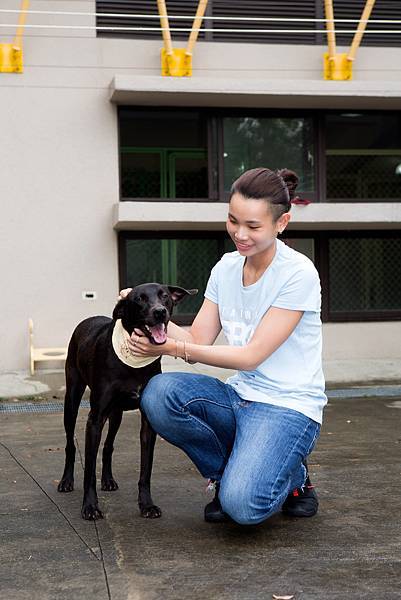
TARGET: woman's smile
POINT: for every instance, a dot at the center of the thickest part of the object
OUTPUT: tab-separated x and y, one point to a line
241	247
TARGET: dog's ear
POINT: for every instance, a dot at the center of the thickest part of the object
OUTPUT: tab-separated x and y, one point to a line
119	309
179	293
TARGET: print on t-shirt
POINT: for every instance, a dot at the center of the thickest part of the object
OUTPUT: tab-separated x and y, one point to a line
238	325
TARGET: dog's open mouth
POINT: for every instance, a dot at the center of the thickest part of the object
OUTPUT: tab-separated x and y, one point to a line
157	333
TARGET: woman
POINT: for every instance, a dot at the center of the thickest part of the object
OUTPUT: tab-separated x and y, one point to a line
252	434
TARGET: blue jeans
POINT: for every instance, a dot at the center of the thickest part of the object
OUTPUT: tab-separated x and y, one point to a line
254	449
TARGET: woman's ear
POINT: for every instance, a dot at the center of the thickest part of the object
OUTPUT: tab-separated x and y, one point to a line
179	293
283	222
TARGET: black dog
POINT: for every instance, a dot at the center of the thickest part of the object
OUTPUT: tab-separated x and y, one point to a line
92	361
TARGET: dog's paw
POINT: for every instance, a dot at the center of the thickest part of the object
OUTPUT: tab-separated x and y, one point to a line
66	485
151	512
109	485
91	512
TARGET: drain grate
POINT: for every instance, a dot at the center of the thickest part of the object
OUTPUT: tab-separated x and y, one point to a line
366	392
36	407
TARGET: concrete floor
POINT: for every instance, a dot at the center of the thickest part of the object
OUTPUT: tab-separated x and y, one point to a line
351	549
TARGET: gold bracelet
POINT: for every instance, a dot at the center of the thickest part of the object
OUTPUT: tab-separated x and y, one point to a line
186	355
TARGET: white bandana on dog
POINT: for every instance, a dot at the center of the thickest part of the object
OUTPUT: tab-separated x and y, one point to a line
120	347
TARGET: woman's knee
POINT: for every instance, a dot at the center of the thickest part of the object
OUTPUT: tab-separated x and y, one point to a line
245	507
157	395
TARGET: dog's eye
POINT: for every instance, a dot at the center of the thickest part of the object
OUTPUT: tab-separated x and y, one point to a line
165	296
143	298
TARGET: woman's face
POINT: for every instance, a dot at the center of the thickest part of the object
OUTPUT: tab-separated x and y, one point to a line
250	225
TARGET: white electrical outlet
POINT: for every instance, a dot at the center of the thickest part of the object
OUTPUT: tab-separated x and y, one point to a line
89	295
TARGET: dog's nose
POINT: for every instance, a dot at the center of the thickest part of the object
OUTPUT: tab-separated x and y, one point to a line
160	313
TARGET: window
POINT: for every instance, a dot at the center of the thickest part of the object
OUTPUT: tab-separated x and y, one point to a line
274	142
183	259
364	276
359	272
163	154
363	157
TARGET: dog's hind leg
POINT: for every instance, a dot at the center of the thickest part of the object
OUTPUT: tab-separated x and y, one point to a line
75	387
109	484
145	502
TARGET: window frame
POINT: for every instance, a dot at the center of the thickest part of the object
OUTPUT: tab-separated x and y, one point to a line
324	270
214	122
207	115
321	245
321	157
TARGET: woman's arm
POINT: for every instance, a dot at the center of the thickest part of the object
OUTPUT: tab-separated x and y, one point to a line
205	327
275	327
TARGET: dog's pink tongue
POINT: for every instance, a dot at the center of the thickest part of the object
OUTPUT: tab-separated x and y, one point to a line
159	333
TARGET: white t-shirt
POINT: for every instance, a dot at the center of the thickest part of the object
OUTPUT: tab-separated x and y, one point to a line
292	376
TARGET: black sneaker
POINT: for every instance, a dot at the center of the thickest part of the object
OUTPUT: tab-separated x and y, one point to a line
213	511
301	502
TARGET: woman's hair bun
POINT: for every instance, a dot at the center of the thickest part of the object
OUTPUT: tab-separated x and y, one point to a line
290	179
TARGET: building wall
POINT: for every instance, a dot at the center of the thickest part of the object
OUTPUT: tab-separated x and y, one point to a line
59	169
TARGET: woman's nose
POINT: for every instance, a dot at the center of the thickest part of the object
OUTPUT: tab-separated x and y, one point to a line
241	234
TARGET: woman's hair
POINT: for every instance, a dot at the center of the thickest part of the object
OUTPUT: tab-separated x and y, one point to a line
277	188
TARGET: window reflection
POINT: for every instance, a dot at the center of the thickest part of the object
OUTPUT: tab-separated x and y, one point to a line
275	143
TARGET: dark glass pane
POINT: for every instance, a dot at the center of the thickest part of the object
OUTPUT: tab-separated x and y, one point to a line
183	262
190	176
162	129
143	259
363	157
140	175
364	274
303	245
275	143
357	130
229	245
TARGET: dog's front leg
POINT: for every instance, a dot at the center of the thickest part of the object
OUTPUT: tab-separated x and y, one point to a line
145	502
109	484
90	508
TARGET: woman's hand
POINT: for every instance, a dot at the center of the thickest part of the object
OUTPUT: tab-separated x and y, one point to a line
124	293
140	345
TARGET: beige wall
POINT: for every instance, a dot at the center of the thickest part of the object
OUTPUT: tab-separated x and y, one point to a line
59	168
361	340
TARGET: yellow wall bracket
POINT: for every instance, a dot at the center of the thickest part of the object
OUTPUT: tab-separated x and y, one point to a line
10	59
11	56
338	67
177	62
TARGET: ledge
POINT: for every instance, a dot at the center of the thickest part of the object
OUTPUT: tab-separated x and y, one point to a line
274	93
211	216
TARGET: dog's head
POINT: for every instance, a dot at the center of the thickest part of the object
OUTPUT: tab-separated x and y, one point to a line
149	307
